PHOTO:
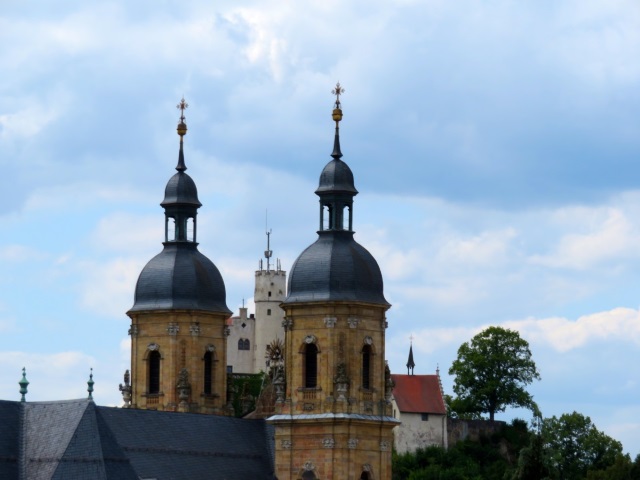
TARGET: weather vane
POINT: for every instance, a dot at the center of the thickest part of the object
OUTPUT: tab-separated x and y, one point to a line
337	92
182	106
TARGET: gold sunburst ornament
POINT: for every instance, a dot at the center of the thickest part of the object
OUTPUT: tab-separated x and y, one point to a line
337	111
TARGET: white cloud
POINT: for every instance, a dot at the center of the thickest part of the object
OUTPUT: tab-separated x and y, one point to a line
619	325
19	253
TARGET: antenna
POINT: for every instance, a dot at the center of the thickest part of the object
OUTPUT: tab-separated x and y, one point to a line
267	252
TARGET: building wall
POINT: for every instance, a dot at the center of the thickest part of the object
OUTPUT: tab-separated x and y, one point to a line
242	328
324	431
182	337
270	292
417	432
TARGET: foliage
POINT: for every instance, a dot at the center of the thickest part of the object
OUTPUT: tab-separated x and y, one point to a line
576	446
245	390
492	371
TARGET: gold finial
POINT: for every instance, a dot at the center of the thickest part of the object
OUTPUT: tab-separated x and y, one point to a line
337	111
182	127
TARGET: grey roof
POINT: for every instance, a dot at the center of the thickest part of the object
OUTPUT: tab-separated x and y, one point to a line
76	439
180	277
335	416
335	268
181	189
336	177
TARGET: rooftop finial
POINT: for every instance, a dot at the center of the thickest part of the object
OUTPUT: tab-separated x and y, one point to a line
182	131
337	117
23	384
90	385
410	363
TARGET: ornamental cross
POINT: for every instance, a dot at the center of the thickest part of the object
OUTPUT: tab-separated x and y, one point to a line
337	92
411	339
182	106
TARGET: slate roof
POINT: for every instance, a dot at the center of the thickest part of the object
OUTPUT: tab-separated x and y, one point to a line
418	394
76	439
336	176
180	277
335	268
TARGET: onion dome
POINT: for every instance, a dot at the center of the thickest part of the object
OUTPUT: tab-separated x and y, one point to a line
336	267
180	277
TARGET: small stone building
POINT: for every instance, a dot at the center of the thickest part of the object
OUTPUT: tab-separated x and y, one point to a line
418	403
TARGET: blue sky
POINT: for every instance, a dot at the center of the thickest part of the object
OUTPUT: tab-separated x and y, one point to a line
495	145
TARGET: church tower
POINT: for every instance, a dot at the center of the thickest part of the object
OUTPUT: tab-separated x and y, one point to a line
178	329
333	416
270	292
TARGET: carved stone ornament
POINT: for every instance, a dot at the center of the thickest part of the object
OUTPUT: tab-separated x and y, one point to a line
330	322
368	407
310	339
194	328
133	330
286	444
226	331
153	347
173	329
384	445
353	322
126	390
352	443
287	324
368	340
342	382
211	348
309	467
183	386
308	407
388	383
328	442
366	467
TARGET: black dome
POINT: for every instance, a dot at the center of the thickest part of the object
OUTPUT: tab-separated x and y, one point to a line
180	277
181	189
336	268
336	177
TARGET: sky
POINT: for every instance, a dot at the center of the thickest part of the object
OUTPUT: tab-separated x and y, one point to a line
495	145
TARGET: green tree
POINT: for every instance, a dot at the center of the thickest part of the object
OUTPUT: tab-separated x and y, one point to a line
577	447
492	371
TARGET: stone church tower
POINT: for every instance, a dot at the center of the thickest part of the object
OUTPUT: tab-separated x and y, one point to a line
178	330
333	416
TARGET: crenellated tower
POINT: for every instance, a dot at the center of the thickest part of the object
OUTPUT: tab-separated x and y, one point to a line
270	292
178	330
333	409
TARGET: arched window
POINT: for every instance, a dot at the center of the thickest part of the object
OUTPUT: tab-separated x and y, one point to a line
154	372
365	476
244	344
208	372
309	476
311	366
366	367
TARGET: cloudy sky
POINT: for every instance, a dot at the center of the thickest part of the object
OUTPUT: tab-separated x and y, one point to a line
495	145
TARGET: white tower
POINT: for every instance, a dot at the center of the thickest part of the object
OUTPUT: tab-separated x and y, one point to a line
270	292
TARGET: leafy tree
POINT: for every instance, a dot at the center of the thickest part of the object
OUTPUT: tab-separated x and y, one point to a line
492	371
577	447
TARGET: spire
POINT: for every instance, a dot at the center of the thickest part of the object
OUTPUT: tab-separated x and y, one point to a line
23	385
410	363
337	116
182	131
90	385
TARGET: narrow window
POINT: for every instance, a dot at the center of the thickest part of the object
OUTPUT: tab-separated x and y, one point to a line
247	344
171	229
366	367
309	476
241	344
424	417
269	294
208	371
311	366
268	311
190	230
154	372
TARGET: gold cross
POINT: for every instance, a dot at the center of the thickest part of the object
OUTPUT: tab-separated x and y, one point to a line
183	105
337	92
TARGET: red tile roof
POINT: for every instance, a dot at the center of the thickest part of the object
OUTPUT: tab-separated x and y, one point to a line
418	394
